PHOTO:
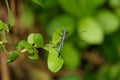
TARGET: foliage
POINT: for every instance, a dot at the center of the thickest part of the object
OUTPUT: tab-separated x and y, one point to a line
34	41
93	34
93	27
10	16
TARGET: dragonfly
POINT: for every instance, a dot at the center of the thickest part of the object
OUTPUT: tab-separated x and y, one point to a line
65	31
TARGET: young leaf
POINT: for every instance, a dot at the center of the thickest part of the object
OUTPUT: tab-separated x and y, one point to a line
30	38
54	63
10	16
35	39
13	56
35	56
30	50
25	45
39	2
56	38
38	40
1	25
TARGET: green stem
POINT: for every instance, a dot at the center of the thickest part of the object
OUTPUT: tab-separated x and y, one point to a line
23	50
4	49
7	5
4	39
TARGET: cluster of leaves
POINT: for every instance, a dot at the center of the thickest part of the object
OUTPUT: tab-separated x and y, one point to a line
100	23
3	29
33	42
96	22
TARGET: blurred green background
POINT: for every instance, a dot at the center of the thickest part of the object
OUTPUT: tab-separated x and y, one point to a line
92	47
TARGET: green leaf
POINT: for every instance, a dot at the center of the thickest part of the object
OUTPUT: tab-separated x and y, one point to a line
70	52
30	38
1	25
35	39
56	38
30	50
38	40
10	16
35	56
1	48
109	21
93	33
13	56
54	63
39	2
25	45
10	19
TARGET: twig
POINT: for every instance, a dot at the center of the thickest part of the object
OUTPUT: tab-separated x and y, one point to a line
4	68
23	50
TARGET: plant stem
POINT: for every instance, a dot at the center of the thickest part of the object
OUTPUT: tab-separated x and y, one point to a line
4	49
23	50
7	4
4	68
